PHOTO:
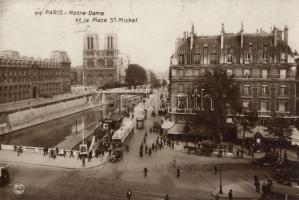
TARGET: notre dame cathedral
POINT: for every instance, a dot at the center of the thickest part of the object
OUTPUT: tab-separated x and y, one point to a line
102	66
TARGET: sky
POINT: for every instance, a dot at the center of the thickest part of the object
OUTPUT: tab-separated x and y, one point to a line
151	40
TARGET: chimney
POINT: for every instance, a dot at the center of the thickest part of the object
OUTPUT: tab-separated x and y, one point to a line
222	36
285	34
275	36
222	43
241	32
192	36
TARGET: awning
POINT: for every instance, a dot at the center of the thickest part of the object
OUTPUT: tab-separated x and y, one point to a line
166	125
180	129
177	129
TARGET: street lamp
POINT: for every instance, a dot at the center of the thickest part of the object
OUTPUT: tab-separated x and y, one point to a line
219	168
220	174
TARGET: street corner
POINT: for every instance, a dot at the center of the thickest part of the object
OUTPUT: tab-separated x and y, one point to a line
237	191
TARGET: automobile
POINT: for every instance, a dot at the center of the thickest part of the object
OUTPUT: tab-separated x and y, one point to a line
4	174
117	155
268	160
156	127
287	173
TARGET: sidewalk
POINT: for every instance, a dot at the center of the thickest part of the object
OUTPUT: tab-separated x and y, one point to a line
37	158
237	191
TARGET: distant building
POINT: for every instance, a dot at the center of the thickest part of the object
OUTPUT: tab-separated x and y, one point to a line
123	63
76	75
25	77
262	64
102	66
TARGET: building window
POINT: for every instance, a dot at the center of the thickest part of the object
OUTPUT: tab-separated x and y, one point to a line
180	73
181	59
282	57
196	72
189	72
283	74
281	106
264	73
197	59
246	104
181	88
263	106
229	57
246	89
229	72
282	90
246	73
264	89
213	59
265	56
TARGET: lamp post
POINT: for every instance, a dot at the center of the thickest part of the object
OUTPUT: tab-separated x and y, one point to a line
220	184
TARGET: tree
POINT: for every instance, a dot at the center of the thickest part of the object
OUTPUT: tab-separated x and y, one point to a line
281	128
135	75
248	121
225	93
155	83
164	83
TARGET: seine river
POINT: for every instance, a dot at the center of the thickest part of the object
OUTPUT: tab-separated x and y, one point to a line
53	132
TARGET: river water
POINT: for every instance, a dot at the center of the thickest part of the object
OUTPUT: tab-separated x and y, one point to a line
53	132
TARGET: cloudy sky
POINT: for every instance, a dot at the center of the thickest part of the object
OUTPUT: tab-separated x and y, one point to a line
150	41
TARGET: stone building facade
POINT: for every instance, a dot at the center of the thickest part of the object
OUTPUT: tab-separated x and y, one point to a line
27	78
262	63
101	66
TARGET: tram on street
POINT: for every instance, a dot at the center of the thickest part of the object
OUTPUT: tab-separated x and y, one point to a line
140	118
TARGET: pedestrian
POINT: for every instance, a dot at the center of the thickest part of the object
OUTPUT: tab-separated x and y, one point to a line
166	197
64	153
255	179
57	150
146	148
263	190
89	156
83	161
145	172
238	153
45	151
19	151
129	194
72	154
172	145
174	162
258	186
230	195
149	152
178	172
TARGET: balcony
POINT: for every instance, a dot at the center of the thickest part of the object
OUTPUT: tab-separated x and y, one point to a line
264	113
282	113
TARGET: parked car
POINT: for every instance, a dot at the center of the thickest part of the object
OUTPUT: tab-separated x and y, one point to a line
4	174
117	155
268	160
